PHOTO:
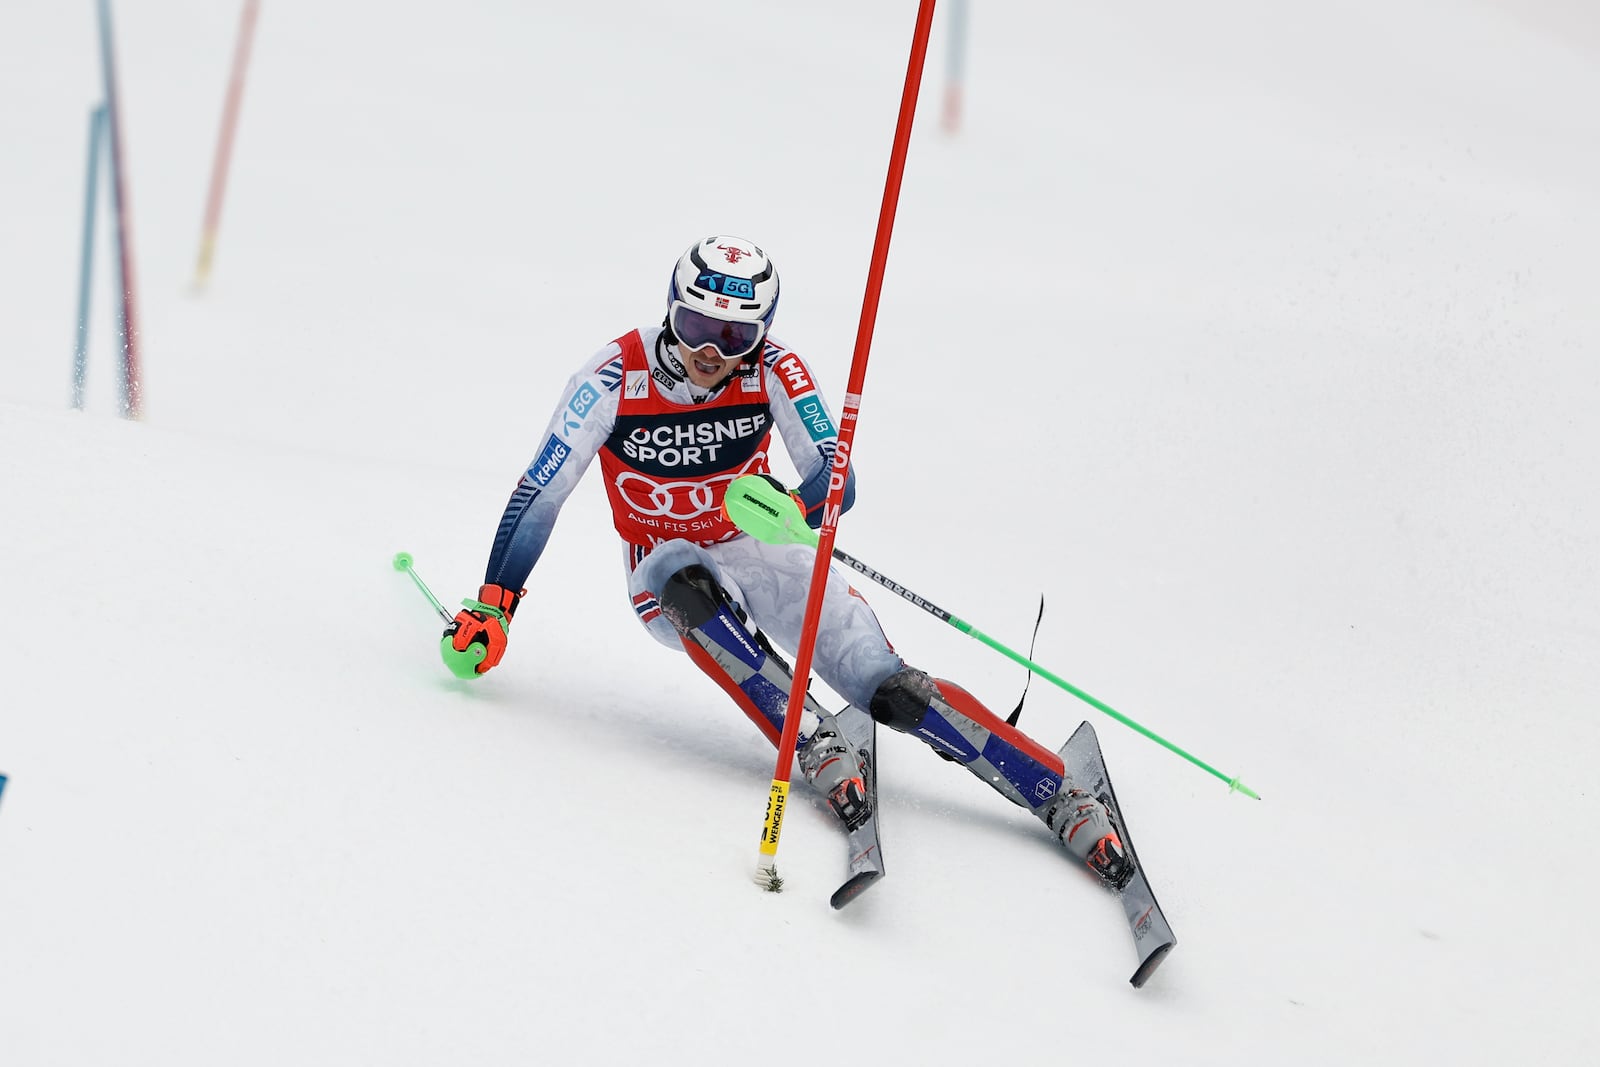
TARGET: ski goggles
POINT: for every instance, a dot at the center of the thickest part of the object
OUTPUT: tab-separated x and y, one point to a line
695	330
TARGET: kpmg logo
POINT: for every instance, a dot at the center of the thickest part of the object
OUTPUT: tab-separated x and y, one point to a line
544	468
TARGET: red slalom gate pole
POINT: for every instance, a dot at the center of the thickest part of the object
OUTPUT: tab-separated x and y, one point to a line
132	388
230	121
778	797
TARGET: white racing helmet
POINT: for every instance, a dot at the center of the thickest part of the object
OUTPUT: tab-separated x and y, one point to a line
724	292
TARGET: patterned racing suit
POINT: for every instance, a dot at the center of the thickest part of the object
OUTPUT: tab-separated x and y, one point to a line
668	452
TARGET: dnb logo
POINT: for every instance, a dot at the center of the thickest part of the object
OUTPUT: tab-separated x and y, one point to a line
815	417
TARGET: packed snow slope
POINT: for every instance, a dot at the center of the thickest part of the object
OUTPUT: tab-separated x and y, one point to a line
1258	339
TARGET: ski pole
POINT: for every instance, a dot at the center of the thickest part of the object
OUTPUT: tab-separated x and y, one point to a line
771	515
402	562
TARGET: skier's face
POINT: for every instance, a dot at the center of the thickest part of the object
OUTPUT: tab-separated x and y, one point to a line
705	367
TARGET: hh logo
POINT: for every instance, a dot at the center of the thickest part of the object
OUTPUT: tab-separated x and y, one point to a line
795	380
732	252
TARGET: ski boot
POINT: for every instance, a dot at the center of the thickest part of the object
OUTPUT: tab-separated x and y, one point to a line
834	769
1087	831
959	728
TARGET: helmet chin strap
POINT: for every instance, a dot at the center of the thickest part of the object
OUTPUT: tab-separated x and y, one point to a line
668	359
667	355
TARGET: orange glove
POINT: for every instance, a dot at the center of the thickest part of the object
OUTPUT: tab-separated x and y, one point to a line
474	642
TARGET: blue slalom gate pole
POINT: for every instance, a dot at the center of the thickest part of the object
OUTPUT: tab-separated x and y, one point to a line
91	195
954	63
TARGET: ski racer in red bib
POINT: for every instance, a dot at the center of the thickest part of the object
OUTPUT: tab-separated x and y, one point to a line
675	413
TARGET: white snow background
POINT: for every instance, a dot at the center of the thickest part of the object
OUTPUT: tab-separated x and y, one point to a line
1259	339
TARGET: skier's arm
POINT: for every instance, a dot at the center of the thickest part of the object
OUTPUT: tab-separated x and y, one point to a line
810	434
581	423
476	638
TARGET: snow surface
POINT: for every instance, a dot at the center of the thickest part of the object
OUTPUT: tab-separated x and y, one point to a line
1259	339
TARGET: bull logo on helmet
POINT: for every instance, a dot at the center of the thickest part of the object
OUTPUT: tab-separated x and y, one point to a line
733	252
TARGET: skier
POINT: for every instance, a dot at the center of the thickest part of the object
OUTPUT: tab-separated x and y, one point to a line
675	413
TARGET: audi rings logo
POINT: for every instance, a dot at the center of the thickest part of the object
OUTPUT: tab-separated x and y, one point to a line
681	501
669	500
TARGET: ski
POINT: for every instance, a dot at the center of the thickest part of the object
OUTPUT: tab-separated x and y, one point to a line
1152	937
866	855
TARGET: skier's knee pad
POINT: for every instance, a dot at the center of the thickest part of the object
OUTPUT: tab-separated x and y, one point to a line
902	699
691	597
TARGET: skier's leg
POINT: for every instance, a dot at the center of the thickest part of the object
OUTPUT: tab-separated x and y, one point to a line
711	626
958	727
854	657
851	653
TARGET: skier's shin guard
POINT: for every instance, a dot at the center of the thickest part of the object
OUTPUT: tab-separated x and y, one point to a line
759	681
958	727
